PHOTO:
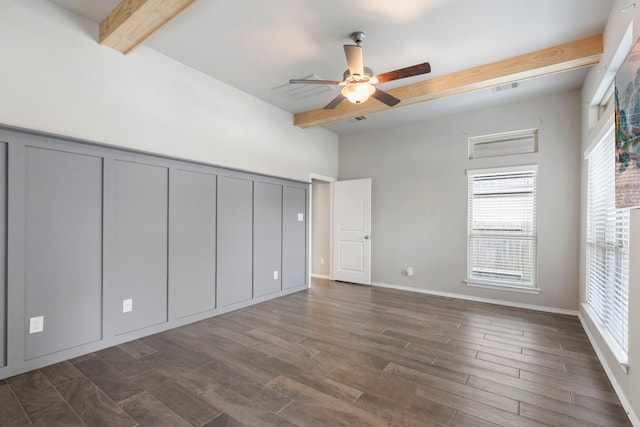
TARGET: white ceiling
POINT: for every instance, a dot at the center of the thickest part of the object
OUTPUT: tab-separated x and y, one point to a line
257	45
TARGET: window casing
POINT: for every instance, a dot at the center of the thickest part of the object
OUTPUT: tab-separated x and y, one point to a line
502	229
607	278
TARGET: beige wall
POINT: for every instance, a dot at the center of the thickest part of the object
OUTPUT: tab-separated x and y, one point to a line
419	207
56	78
320	230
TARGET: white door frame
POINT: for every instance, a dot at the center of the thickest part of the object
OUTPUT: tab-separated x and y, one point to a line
327	179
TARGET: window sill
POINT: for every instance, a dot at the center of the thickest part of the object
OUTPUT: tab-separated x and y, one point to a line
475	283
620	355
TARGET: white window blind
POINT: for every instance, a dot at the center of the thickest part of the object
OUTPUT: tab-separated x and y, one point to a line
502	227
607	245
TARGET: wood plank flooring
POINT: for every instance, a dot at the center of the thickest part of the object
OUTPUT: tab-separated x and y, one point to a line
335	355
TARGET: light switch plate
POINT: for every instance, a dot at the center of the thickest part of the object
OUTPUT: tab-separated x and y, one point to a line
275	275
127	305
36	324
300	217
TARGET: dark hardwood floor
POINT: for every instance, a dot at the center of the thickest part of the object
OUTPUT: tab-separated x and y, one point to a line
335	355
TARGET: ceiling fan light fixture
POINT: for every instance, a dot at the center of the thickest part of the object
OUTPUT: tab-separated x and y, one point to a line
358	81
358	92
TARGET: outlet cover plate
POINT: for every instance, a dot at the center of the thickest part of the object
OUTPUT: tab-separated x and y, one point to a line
127	305
36	324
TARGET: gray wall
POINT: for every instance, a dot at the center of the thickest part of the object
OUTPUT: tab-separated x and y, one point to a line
91	226
63	248
193	242
3	254
294	236
320	238
419	206
140	239
267	238
235	240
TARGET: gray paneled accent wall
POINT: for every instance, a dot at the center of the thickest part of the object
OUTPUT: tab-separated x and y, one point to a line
192	269
86	227
3	254
235	240
294	237
267	238
63	249
140	244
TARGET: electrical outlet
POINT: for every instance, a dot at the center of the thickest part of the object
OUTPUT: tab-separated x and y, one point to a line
300	217
36	324
321	261
409	271
275	275
127	305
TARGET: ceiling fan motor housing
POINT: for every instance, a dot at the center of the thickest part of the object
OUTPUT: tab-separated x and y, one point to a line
358	36
367	72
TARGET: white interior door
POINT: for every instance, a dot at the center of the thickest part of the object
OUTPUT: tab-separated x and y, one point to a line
351	240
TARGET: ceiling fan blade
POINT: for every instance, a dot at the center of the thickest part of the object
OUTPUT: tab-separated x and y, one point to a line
334	103
354	59
385	97
402	73
317	82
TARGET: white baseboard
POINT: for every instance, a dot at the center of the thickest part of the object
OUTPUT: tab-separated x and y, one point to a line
320	276
479	299
609	371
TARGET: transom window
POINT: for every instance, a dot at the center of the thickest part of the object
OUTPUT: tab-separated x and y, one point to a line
502	237
504	144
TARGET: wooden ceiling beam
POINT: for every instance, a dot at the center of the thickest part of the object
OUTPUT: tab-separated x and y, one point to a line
558	59
133	21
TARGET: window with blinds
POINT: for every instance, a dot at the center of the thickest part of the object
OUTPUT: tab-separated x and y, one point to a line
502	227
607	288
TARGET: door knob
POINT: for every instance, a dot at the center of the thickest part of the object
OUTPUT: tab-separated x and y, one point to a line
367	237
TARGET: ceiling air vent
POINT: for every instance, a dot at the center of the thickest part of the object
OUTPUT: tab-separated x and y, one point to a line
508	86
296	92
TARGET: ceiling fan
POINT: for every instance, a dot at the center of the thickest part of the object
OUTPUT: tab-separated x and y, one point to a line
359	81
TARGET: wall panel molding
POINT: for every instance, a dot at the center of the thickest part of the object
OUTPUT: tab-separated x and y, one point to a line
192	237
63	249
3	254
90	226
